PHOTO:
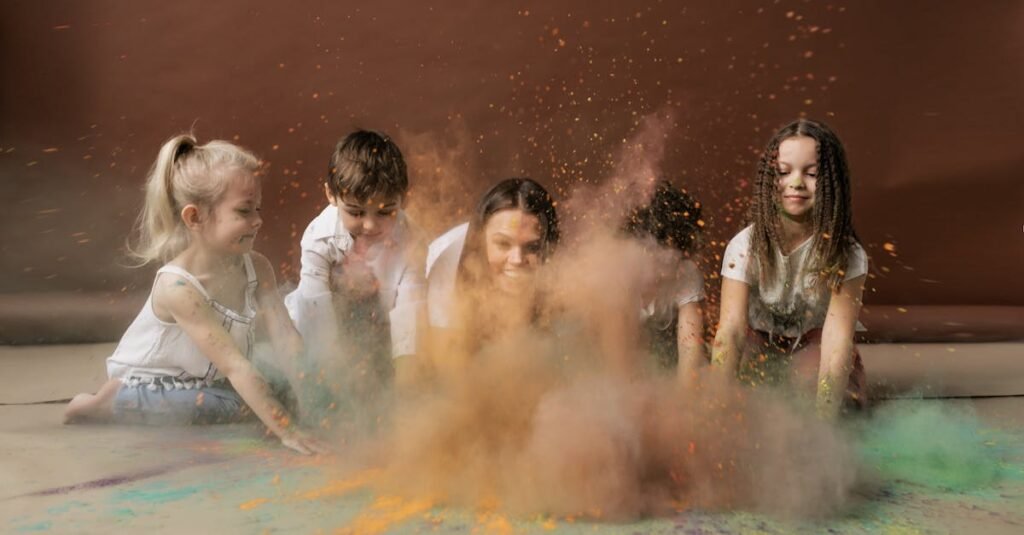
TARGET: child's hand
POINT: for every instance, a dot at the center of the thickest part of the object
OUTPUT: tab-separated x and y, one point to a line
304	444
353	279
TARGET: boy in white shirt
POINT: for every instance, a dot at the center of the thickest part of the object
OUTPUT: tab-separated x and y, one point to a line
361	294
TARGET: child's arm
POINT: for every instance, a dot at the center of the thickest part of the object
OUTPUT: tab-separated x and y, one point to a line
409	313
408	324
176	297
283	336
690	340
732	326
837	345
311	305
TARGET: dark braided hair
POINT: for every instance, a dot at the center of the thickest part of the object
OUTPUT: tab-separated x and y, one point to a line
670	218
832	214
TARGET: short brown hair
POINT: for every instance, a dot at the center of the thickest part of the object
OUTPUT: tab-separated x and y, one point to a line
366	164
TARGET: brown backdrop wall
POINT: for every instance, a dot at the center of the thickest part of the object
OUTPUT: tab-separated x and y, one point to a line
926	95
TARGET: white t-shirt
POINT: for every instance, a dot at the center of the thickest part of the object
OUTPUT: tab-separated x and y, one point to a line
688	288
325	244
442	266
791	304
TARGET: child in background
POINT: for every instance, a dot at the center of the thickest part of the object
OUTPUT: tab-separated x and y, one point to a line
793	280
671	299
360	297
186	357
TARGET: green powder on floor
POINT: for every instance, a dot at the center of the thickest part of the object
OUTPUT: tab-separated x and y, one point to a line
933	444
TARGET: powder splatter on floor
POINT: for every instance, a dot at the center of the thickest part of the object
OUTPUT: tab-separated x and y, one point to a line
934	467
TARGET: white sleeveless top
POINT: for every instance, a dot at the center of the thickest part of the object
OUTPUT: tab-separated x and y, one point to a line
153	349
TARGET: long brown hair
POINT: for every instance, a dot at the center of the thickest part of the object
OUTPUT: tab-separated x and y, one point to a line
510	194
832	214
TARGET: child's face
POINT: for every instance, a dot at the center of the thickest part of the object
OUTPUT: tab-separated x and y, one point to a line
235	219
797	176
513	243
368	222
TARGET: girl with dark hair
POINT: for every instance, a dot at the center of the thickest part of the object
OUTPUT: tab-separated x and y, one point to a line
793	280
483	274
671	296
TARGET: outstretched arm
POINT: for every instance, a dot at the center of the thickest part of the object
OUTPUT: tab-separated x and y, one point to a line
283	335
690	340
837	346
732	326
183	302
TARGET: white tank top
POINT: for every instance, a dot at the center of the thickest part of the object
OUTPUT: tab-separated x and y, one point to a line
152	348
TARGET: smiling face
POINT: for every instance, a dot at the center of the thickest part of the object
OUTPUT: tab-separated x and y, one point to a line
370	221
235	219
513	243
797	177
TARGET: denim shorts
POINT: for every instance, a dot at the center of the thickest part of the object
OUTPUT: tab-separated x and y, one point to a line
167	401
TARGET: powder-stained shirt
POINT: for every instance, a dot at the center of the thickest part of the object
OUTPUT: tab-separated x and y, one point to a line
685	289
395	263
792	303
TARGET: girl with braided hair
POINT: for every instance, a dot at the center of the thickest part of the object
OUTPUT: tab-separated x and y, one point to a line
792	281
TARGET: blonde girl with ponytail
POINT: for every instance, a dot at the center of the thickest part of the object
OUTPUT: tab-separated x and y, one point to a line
186	357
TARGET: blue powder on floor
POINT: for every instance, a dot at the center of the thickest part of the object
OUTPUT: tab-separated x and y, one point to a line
156	494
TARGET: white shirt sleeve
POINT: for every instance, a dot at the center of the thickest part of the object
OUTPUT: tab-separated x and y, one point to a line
736	261
406	318
691	284
441	244
442	275
311	305
858	263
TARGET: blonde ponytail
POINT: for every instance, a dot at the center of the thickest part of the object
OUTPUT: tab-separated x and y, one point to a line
184	173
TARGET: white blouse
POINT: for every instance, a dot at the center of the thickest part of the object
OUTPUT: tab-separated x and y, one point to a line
395	263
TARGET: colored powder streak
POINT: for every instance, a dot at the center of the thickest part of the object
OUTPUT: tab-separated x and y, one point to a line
383	513
156	494
104	482
495	523
333	489
40	526
932	445
67	506
252	504
340	488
